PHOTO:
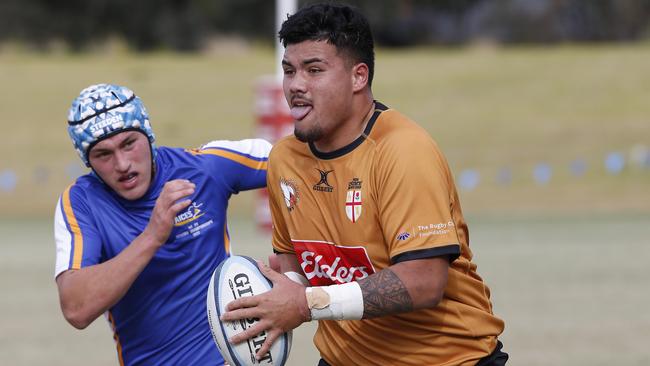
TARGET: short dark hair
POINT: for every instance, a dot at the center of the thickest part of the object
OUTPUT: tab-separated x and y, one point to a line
343	26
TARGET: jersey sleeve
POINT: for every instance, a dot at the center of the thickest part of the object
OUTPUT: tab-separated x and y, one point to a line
242	164
281	239
414	199
78	243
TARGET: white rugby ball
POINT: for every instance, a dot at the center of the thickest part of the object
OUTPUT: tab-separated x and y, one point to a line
236	277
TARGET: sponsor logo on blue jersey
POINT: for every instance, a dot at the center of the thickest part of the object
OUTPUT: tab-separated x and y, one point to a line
192	213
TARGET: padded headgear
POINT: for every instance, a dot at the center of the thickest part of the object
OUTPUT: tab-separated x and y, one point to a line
103	110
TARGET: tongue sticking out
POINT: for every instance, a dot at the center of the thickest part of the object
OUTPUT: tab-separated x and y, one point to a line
299	113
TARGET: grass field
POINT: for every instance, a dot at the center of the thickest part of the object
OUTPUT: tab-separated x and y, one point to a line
566	262
572	290
487	107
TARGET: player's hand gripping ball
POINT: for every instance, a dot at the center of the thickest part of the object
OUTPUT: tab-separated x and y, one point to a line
236	277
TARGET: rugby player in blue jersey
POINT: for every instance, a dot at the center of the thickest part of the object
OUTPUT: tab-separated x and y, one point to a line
138	237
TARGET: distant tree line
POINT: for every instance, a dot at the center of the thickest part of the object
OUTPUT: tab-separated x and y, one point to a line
186	25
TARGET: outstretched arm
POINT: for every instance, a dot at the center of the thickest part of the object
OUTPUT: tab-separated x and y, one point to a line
88	292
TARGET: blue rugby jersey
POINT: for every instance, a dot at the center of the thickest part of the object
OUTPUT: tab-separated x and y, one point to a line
161	320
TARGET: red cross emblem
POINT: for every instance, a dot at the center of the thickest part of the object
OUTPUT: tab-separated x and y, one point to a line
353	205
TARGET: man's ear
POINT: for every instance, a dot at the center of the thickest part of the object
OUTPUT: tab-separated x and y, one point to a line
359	77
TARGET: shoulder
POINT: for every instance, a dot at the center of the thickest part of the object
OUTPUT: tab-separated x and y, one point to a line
168	156
288	146
258	148
287	153
83	187
242	151
78	196
395	133
249	153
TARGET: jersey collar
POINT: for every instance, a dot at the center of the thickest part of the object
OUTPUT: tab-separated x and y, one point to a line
379	107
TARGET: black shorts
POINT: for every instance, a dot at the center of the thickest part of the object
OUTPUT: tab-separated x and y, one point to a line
496	358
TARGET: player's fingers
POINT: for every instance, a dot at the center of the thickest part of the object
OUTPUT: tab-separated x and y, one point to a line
272	275
271	336
244	302
175	185
167	200
172	196
179	206
241	308
177	182
251	332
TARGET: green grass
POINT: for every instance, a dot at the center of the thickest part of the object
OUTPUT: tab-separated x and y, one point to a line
570	286
572	291
487	108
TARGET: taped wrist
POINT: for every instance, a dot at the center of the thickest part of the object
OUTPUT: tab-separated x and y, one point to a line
335	302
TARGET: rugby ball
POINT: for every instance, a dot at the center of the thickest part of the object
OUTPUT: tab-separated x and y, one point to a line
234	278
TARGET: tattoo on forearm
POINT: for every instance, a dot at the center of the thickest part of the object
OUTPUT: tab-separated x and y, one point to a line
384	294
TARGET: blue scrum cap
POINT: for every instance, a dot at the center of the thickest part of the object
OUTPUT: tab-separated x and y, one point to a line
103	110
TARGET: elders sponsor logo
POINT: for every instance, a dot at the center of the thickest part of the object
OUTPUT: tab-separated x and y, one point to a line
325	263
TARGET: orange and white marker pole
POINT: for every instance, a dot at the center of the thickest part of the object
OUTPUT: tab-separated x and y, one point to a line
271	110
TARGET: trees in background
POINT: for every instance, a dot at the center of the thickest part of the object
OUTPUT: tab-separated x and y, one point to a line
186	25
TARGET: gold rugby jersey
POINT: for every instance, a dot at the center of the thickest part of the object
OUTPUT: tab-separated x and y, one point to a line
385	198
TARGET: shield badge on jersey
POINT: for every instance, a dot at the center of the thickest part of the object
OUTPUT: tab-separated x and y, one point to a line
353	205
290	193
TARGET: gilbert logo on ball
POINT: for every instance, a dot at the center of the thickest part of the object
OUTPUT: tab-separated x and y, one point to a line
234	278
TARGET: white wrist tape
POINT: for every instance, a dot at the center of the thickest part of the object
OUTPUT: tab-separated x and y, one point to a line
335	302
297	278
